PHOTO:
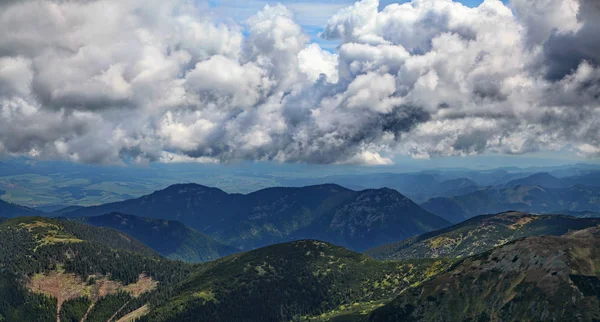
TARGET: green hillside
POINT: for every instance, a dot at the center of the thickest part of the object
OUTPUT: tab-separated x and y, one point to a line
53	268
62	270
288	281
480	234
534	279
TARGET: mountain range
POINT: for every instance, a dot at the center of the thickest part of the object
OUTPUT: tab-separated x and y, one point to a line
355	219
526	198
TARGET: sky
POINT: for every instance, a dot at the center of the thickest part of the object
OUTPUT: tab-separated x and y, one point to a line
311	15
117	82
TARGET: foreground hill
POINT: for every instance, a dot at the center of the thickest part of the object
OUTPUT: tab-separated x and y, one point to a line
480	234
534	279
532	199
54	270
10	210
286	281
354	219
171	239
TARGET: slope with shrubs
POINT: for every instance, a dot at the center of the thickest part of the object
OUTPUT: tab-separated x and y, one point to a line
545	278
480	234
287	281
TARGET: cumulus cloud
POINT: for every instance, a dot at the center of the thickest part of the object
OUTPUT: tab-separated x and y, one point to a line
107	81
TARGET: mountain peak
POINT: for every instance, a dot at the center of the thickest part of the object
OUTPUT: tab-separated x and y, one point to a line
189	187
542	179
385	191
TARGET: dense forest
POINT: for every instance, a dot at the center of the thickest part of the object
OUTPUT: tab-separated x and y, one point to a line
42	256
288	281
106	274
52	269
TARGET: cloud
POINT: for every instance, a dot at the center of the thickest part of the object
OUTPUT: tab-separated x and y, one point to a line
107	81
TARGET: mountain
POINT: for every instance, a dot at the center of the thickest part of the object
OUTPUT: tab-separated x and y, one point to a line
532	199
544	179
480	234
284	282
10	210
533	279
455	187
171	239
579	214
53	270
448	208
355	219
368	219
417	186
59	212
51	208
590	179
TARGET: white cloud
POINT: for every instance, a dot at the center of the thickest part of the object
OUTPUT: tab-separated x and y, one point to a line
314	61
103	81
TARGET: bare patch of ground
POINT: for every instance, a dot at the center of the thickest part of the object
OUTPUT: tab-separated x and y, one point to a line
134	315
65	286
59	285
143	285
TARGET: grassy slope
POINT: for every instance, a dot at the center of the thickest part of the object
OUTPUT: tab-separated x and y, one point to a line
533	279
480	234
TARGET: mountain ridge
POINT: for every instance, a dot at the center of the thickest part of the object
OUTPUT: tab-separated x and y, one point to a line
11	210
547	278
480	234
171	239
276	215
